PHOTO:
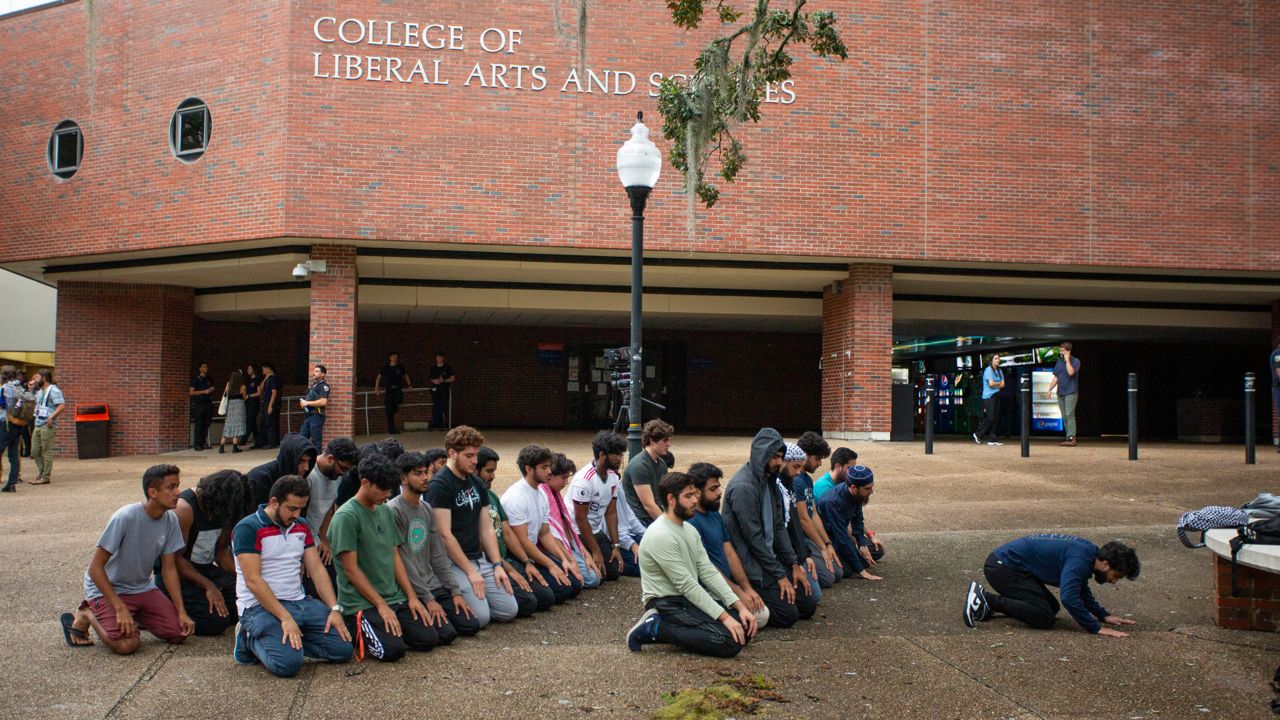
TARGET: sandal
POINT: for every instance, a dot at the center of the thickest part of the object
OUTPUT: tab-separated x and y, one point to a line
69	631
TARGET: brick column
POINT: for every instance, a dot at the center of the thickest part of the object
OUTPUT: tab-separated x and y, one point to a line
857	354
128	346
333	333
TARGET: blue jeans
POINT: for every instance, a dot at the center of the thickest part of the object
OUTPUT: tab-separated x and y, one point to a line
10	439
262	634
313	430
589	578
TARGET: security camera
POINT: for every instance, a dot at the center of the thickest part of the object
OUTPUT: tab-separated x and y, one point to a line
302	271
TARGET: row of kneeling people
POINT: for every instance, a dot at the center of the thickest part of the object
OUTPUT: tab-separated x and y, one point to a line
405	550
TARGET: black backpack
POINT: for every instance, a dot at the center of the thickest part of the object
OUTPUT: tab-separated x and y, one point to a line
1258	532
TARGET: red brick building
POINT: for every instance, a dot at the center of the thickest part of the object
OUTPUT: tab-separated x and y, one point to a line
1104	171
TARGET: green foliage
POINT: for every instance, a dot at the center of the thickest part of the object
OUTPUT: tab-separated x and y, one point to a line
731	697
728	84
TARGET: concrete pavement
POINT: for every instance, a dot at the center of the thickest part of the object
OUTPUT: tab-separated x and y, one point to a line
891	649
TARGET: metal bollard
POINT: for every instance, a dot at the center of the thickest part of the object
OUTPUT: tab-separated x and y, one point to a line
1133	416
929	392
1250	420
1024	387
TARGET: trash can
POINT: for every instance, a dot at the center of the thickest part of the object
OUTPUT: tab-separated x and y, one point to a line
93	424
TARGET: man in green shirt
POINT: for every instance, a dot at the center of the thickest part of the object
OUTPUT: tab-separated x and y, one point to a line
685	596
378	602
644	471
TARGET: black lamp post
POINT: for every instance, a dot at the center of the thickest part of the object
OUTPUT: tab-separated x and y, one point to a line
639	164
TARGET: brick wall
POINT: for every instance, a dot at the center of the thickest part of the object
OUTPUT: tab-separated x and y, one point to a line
1258	604
1054	132
333	331
130	347
857	354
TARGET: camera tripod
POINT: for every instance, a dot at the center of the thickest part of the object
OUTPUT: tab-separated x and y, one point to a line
623	411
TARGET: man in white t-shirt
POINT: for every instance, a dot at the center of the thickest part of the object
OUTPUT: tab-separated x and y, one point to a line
527	510
594	492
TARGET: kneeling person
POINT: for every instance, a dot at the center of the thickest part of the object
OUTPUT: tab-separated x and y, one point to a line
378	601
279	622
206	514
425	559
675	576
120	596
1021	569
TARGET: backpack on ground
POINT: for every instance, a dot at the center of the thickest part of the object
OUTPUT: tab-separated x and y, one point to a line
1209	518
1258	532
20	405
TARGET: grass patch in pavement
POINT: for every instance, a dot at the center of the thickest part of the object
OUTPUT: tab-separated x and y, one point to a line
729	698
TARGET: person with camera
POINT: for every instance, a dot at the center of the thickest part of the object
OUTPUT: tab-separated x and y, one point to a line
1066	378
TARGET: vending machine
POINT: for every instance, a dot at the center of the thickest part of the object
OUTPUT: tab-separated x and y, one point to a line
1045	414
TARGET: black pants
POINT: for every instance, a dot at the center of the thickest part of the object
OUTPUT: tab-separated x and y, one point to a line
196	603
1021	596
537	599
611	571
849	572
270	427
991	418
465	625
682	624
561	591
367	627
440	407
202	416
782	614
391	404
26	440
252	409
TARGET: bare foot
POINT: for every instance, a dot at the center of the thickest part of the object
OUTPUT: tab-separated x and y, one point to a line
80	629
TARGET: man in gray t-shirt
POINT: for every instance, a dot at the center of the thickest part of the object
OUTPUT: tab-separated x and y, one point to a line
121	597
423	551
339	456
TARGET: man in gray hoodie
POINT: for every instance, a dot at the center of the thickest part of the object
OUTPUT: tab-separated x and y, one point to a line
754	515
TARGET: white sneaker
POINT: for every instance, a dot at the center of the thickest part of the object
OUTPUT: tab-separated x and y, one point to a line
995	442
975	439
976	608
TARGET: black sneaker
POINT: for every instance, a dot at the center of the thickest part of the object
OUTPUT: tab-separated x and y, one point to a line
644	632
976	607
976	439
9	488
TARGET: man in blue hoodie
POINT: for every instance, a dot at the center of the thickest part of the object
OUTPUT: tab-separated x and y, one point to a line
1021	569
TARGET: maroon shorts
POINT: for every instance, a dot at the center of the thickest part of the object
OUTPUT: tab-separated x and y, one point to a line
151	610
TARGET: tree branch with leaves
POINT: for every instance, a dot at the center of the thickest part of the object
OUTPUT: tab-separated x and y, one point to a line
701	113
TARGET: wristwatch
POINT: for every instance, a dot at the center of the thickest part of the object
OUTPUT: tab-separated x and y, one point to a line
337	609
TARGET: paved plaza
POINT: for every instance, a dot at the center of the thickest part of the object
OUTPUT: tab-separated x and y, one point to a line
893	649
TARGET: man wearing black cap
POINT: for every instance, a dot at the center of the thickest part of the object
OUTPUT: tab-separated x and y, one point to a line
841	511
